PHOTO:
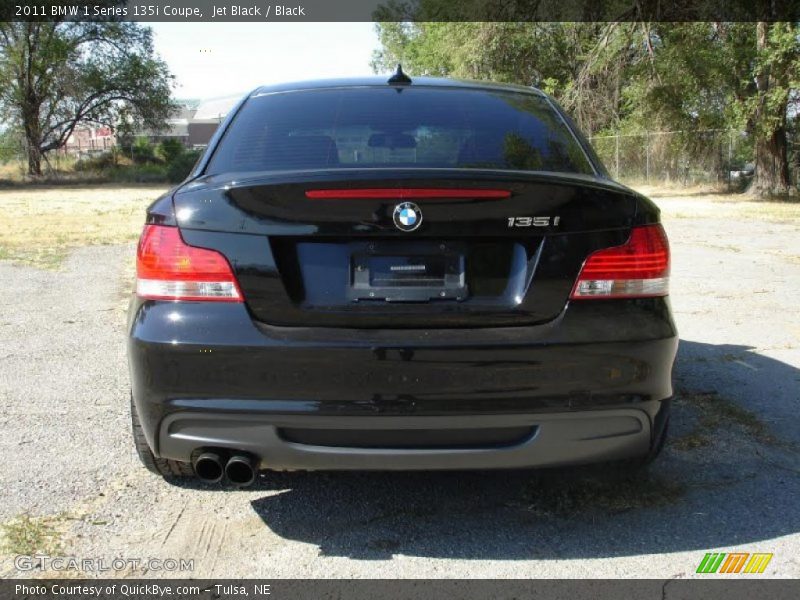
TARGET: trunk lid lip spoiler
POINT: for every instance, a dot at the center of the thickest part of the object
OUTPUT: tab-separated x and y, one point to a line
340	176
407	193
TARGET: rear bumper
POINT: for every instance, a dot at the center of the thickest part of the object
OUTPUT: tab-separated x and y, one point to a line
554	439
589	386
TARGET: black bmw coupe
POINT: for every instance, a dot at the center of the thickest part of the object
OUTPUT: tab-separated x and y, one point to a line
401	274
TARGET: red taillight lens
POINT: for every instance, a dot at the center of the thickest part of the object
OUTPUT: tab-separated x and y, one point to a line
169	269
637	269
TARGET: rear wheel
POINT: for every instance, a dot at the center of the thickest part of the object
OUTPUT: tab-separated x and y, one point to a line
658	444
634	466
168	469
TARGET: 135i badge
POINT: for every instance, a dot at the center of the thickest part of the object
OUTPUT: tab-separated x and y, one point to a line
533	221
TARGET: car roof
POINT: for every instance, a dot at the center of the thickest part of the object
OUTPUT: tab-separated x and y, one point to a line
383	80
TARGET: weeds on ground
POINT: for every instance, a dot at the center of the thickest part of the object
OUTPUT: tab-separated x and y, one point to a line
715	412
598	489
29	535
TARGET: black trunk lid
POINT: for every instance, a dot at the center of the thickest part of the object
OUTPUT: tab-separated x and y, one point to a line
473	261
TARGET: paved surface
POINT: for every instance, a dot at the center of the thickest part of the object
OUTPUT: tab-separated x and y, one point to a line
729	480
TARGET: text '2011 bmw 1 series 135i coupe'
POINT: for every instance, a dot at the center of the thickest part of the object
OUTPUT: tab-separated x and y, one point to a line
373	274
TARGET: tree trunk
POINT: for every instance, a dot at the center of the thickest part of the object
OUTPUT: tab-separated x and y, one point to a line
34	159
33	144
772	165
772	159
31	103
33	137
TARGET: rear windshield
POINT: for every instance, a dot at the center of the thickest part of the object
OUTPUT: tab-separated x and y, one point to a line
384	127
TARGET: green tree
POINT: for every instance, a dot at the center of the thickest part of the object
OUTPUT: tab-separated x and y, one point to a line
58	75
726	75
631	76
10	144
583	65
777	78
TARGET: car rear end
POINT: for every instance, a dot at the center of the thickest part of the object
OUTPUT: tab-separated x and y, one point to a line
416	276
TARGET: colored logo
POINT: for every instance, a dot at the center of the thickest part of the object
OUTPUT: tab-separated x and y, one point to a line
407	216
734	562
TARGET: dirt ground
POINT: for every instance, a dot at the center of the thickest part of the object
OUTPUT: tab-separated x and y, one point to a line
728	481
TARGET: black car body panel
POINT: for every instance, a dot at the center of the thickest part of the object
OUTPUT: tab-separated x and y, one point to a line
310	371
289	252
596	356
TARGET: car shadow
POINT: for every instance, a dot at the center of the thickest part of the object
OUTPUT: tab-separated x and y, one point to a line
727	478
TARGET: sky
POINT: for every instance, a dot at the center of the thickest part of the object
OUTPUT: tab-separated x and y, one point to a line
213	60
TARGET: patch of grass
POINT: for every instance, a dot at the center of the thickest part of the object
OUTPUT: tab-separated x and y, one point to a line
137	174
88	171
676	189
149	164
607	492
713	202
715	412
691	441
39	226
728	207
32	535
718	411
12	171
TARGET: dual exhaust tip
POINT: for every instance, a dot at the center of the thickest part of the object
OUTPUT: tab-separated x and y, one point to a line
240	469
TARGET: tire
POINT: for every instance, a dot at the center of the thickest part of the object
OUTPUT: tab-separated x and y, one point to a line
658	446
168	469
637	466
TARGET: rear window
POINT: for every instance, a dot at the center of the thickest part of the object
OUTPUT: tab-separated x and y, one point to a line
384	127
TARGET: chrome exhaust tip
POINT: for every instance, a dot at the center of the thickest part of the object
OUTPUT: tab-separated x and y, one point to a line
241	470
208	467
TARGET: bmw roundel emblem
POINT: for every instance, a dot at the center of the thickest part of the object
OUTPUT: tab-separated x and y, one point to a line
407	216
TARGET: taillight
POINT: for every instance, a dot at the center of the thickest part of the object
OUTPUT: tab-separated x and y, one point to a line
637	269
169	269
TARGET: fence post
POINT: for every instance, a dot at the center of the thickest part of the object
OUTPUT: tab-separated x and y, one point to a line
730	147
616	155
647	156
730	158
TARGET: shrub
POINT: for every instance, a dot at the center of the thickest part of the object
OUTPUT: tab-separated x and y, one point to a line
9	153
180	168
99	162
149	174
12	146
138	174
170	149
143	151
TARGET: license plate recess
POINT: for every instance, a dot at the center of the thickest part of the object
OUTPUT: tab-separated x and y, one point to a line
418	271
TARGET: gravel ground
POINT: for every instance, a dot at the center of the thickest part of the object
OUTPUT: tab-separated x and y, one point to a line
729	479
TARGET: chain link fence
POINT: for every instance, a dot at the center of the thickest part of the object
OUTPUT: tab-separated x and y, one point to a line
677	157
14	159
94	158
102	162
